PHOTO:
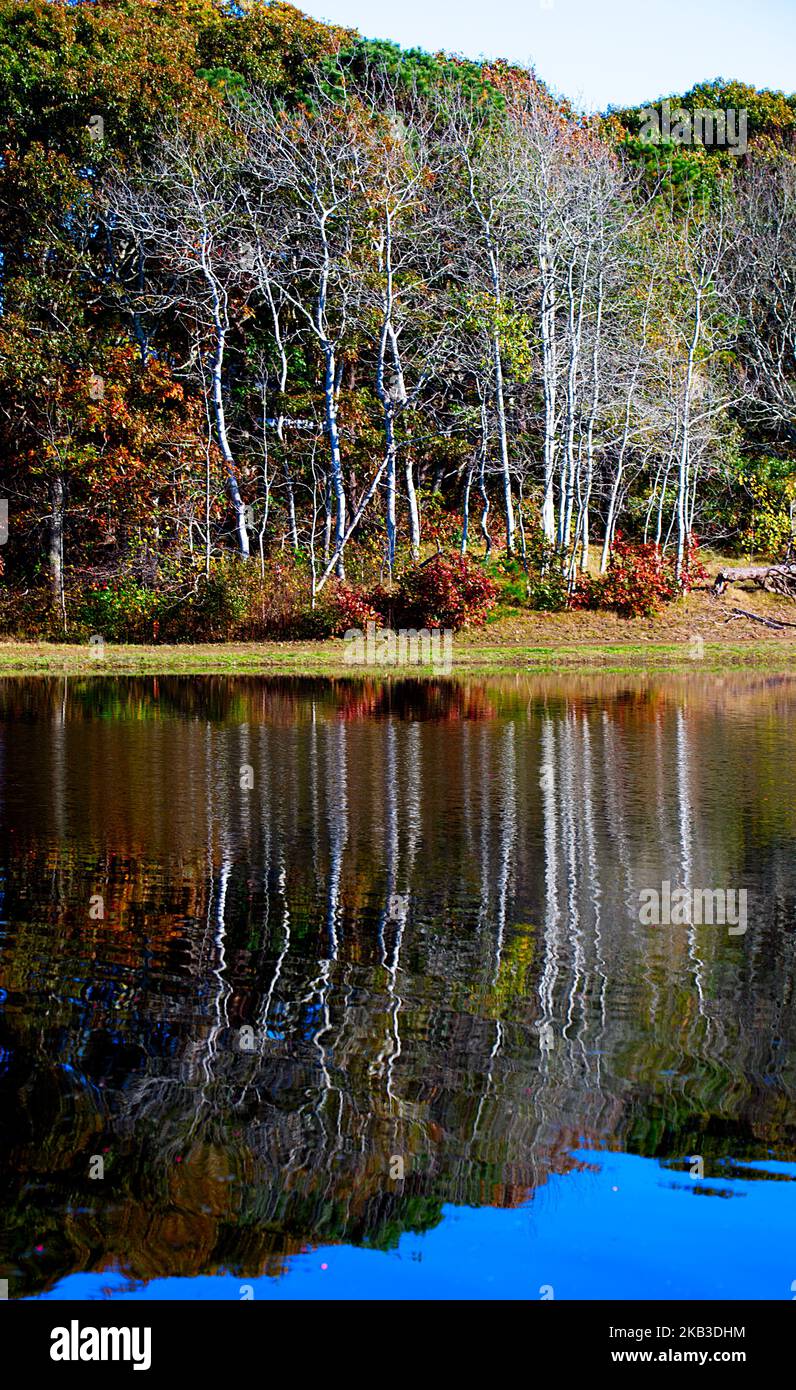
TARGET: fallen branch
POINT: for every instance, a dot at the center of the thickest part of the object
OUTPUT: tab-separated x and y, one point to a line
357	516
756	618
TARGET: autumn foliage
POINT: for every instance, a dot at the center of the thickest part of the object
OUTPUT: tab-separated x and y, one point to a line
639	579
277	323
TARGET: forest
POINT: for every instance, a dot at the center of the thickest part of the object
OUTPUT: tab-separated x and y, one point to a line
300	330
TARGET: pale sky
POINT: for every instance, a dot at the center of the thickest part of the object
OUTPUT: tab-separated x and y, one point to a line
620	52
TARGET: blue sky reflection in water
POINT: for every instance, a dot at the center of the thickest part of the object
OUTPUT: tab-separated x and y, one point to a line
416	885
631	1230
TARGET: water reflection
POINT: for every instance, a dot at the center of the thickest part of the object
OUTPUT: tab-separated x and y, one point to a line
423	901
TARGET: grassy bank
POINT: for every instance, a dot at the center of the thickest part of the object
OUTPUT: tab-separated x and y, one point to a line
327	659
530	641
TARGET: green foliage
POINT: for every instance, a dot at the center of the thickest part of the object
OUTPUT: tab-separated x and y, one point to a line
230	83
770	523
673	168
771	116
536	583
548	593
696	168
414	71
511	580
125	611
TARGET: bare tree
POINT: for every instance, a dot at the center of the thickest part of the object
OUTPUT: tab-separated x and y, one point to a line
760	283
181	209
489	245
312	165
696	316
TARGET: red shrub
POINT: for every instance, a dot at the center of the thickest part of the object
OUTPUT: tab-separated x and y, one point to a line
638	580
348	607
450	591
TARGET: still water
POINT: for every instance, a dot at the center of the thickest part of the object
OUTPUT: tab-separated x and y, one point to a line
328	989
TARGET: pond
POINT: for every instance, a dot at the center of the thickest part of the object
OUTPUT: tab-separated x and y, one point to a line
416	989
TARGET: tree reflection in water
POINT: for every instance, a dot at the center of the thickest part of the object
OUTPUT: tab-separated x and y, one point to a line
425	908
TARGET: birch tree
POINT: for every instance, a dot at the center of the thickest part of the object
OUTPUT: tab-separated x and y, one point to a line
312	163
487	181
701	249
182	208
538	146
760	284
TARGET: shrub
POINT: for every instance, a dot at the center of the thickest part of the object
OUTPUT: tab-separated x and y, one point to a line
28	614
449	591
540	552
548	593
538	582
639	578
511	580
234	602
122	610
220	606
345	606
239	602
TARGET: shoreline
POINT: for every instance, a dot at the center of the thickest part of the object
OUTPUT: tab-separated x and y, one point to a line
697	632
327	659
